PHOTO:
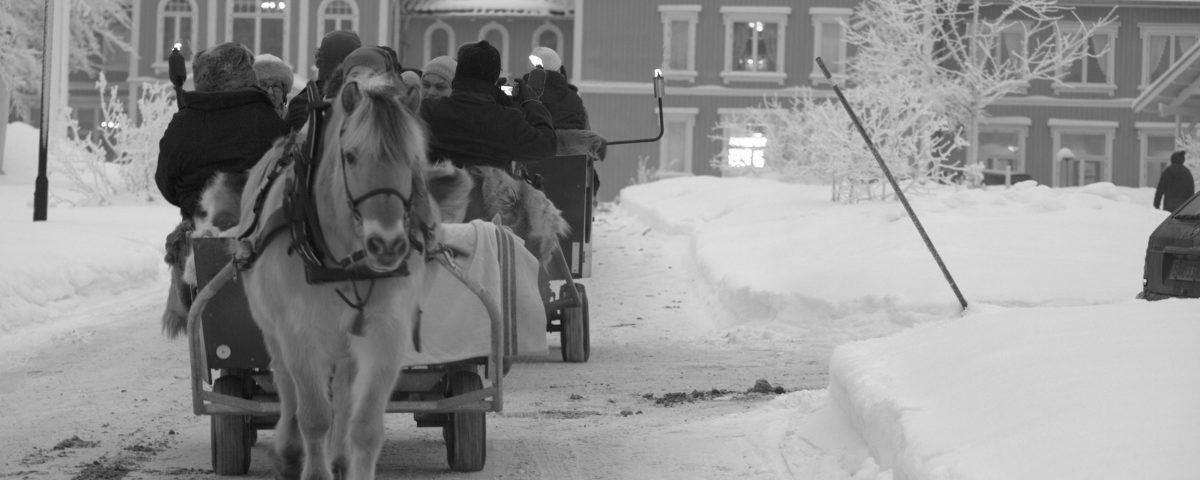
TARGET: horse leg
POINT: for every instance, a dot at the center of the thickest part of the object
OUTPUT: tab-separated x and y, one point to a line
343	375
287	454
377	363
314	413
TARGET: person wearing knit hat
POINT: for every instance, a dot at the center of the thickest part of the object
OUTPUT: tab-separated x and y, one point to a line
550	60
363	61
276	78
329	55
439	73
472	128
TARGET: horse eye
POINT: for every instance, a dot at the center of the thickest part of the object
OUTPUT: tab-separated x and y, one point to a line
350	158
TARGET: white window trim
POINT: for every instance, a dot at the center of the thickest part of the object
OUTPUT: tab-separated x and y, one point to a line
1110	87
688	116
355	16
1018	125
494	25
723	115
429	38
558	34
777	15
258	17
1059	126
160	66
675	13
1148	29
1145	130
820	17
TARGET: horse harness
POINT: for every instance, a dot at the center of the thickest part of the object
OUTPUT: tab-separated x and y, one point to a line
301	219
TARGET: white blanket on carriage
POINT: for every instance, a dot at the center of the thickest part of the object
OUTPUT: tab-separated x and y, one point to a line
454	322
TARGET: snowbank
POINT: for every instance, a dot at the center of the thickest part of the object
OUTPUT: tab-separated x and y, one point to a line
1052	393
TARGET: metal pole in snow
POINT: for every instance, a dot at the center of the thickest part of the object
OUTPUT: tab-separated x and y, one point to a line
895	186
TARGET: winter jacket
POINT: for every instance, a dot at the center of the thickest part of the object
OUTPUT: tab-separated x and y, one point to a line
1175	186
297	109
563	102
470	127
218	131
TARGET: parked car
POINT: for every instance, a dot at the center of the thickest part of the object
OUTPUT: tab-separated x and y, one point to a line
1173	255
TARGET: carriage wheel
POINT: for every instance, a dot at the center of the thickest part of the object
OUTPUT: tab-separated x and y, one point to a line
465	432
231	434
576	341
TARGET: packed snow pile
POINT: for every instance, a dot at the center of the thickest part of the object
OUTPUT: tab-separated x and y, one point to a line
1038	393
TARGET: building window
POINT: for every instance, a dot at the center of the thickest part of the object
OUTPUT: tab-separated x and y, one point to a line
337	15
1002	143
1092	74
755	38
829	41
497	35
675	149
439	40
1088	148
260	26
1157	141
176	23
1162	46
550	36
679	41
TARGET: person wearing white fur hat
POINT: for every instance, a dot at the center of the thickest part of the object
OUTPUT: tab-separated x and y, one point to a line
276	78
559	96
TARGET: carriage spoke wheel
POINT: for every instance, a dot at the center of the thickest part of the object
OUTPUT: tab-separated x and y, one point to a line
576	340
465	432
232	435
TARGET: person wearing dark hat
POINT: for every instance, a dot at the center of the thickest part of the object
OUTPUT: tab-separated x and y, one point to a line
228	123
472	127
1175	184
335	46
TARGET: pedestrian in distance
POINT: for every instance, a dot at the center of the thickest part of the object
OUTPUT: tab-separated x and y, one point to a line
437	77
276	78
329	55
1175	184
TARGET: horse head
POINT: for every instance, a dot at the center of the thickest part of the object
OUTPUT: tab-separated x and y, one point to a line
373	163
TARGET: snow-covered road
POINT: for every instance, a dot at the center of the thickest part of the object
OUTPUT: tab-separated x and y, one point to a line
111	380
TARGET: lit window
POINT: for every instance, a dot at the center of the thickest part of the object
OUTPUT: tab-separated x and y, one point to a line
177	21
747	151
260	26
338	15
1162	46
754	43
829	41
679	41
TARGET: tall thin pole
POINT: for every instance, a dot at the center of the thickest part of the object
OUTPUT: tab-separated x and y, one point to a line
41	188
895	186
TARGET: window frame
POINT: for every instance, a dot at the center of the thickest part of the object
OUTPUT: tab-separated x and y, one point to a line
1145	131
1018	125
354	17
1146	30
558	34
1060	126
258	16
687	115
738	14
679	13
494	25
438	25
160	50
822	16
1110	85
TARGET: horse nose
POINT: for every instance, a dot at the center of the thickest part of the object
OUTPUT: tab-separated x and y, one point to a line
386	252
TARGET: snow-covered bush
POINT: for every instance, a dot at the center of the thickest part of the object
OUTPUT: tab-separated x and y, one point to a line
119	158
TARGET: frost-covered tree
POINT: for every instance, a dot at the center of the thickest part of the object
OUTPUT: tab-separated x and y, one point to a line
973	52
95	24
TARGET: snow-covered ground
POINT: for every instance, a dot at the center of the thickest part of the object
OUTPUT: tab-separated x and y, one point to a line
1054	372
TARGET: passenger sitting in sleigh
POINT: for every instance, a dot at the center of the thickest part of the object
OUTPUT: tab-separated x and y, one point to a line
478	128
228	124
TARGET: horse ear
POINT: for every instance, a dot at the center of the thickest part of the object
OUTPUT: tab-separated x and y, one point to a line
350	96
411	99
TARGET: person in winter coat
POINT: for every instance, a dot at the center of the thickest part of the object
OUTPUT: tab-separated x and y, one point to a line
437	77
1175	185
473	127
560	97
276	78
334	48
228	124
